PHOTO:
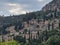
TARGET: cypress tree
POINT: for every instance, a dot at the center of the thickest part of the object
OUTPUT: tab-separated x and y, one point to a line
46	34
48	26
55	13
52	26
38	33
29	35
59	24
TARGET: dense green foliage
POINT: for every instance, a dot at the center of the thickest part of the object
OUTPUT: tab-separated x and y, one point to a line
47	37
53	40
51	37
12	42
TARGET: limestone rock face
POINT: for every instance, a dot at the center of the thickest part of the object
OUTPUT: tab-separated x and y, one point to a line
54	4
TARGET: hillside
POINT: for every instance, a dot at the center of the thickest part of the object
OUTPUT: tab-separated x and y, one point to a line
34	28
47	9
52	8
53	5
12	42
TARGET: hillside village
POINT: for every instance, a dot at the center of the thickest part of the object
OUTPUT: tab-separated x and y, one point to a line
33	26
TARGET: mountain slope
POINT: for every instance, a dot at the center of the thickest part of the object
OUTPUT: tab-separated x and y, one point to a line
52	7
55	4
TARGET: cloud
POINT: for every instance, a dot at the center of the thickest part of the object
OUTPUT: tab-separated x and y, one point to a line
17	11
10	4
40	0
17	8
10	7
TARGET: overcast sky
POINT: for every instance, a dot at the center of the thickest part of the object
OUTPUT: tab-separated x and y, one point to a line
10	7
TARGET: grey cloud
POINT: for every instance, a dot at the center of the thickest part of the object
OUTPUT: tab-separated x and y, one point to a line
33	5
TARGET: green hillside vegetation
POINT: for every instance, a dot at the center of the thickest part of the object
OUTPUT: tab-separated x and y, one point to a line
46	37
13	42
53	40
51	37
